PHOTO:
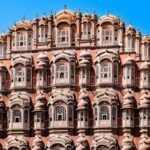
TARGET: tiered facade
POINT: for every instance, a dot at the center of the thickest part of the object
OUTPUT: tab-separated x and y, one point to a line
74	82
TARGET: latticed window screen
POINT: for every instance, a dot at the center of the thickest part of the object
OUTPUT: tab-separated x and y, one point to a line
114	112
106	70
70	113
63	36
21	39
107	36
104	113
60	113
95	113
26	115
62	70
19	73
17	115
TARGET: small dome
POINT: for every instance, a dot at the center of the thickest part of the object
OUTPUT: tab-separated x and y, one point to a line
81	139
144	143
43	20
40	102
122	24
37	143
129	61
83	104
22	24
39	105
128	95
85	53
138	34
94	16
40	96
37	140
83	95
86	16
42	56
78	14
40	65
84	63
81	147
145	101
144	66
2	37
127	143
130	29
145	39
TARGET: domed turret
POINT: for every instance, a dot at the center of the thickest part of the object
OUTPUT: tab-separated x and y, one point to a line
130	30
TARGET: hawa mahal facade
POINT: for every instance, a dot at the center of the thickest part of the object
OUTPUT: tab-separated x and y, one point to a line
73	81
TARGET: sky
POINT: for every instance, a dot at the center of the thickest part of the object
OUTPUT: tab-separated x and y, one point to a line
134	12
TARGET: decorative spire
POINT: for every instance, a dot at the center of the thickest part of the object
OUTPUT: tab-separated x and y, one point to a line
51	12
23	18
86	10
65	6
3	31
79	10
55	12
108	12
94	11
14	22
36	15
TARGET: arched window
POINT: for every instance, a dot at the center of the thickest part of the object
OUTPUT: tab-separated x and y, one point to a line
115	71
98	35
106	72
85	31
21	40
104	113
19	74
114	112
63	37
17	116
62	70
145	51
129	43
107	36
26	115
53	36
42	33
60	113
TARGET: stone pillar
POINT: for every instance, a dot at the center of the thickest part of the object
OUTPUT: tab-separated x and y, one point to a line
93	29
35	32
8	50
78	24
50	22
137	45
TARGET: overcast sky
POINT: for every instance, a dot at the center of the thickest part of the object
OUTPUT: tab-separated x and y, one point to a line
135	12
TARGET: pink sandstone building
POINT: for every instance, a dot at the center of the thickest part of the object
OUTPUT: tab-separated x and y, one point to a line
73	81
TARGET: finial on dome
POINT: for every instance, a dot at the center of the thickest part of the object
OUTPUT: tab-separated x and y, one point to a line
94	11
79	10
23	18
14	22
130	22
86	10
65	6
55	12
51	12
44	13
3	31
36	15
108	12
